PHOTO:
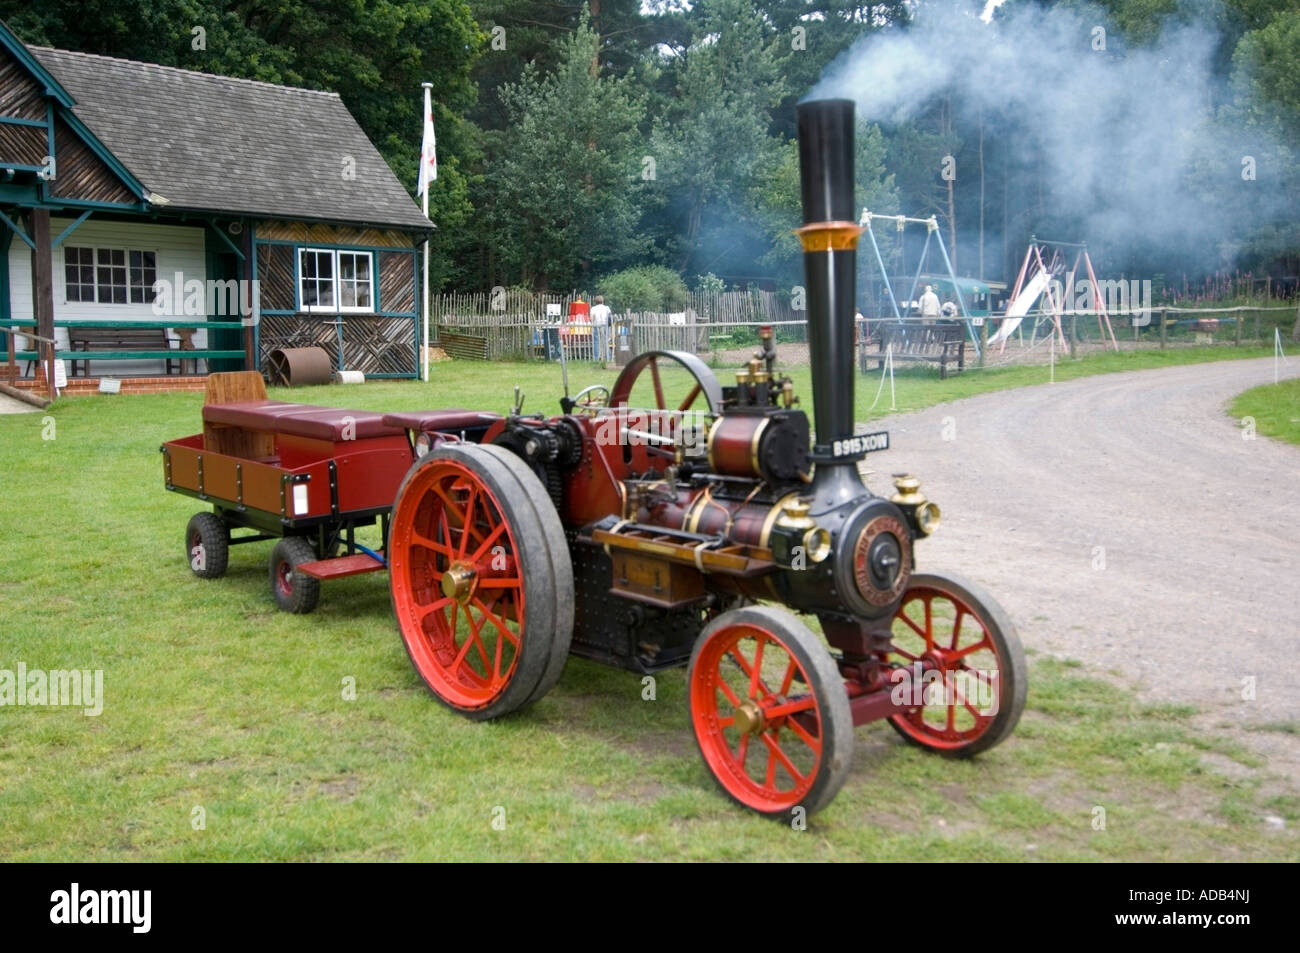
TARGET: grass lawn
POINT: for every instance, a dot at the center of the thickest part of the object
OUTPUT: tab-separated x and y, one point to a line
218	706
1275	407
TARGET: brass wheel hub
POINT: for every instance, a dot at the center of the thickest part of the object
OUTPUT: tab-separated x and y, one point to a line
749	718
458	582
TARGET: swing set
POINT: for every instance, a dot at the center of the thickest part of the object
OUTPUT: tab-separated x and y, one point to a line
932	233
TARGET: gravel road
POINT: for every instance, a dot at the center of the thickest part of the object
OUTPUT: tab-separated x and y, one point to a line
1123	521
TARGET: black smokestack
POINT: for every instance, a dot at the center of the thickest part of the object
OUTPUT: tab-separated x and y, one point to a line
829	238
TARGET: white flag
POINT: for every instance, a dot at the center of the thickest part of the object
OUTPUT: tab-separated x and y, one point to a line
428	150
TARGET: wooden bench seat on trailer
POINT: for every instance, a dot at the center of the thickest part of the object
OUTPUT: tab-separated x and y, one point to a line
301	420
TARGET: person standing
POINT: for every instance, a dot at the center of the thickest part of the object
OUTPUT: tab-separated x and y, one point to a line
929	306
599	328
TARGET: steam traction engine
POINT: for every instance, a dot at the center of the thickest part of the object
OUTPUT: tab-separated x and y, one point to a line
655	525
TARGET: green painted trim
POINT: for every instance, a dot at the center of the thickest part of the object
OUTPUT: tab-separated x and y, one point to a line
225	238
20	52
130	323
400	250
13	226
173	354
58	203
24	195
417	261
16	121
71	228
280	313
49	135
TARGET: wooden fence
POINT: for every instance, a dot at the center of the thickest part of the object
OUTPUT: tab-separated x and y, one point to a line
513	324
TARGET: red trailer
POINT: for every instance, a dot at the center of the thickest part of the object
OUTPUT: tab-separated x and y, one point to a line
308	476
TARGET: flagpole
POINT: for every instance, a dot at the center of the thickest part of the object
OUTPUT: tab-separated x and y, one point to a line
428	106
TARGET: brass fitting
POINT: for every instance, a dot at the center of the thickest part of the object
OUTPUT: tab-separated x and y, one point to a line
909	490
925	515
816	540
794	515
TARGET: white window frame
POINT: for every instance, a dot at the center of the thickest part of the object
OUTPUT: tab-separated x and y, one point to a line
336	282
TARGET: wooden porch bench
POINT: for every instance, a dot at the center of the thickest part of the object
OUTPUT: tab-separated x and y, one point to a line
148	342
941	344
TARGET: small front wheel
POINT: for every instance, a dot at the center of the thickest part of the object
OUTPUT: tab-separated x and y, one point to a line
769	710
207	545
294	591
963	667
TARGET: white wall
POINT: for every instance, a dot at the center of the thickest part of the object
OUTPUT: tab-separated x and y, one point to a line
178	248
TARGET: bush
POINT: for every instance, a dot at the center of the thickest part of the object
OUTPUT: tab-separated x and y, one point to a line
644	288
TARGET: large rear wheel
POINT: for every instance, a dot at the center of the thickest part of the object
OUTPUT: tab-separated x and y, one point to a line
769	711
481	589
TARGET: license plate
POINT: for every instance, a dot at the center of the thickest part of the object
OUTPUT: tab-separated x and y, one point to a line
863	443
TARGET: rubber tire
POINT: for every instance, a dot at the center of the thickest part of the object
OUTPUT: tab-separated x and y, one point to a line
825	681
561	565
210	531
304	591
549	615
1012	667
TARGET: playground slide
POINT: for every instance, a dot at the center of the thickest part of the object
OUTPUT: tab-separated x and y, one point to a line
1017	309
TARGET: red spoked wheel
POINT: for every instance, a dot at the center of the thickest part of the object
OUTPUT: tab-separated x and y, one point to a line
769	711
480	584
665	392
958	659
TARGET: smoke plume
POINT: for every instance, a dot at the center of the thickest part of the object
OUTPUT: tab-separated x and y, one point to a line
1122	139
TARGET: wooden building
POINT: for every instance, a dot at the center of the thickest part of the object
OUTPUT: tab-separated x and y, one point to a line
133	194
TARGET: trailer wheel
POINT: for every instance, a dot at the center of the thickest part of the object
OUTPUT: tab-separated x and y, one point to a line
973	680
770	713
293	591
207	545
482	589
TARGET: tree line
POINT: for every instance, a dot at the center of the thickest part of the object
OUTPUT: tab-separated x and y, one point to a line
578	140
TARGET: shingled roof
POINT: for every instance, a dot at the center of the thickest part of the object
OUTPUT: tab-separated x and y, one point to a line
218	144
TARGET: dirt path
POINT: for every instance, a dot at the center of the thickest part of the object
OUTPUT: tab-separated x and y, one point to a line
11	405
1123	521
